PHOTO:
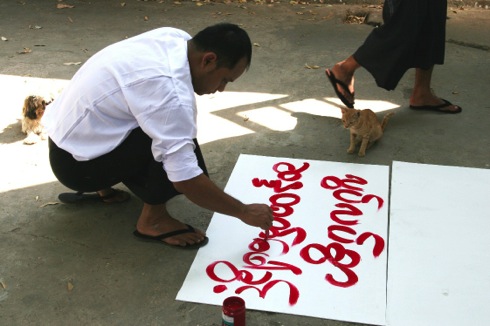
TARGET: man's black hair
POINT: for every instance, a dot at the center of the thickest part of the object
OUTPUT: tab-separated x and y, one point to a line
230	43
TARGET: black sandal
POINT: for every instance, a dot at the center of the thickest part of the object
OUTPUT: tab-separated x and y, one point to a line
81	197
437	108
335	82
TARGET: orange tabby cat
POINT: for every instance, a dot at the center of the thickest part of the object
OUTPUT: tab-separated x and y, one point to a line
364	127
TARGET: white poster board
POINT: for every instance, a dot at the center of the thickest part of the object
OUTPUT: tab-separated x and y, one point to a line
439	256
326	254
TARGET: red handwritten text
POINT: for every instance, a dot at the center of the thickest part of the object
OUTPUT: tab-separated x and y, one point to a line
349	193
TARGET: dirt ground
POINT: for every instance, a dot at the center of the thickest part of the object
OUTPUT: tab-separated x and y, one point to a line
79	265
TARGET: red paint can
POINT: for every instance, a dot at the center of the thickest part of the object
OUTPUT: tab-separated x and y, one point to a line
233	312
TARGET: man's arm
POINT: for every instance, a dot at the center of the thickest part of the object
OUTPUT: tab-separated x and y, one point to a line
203	192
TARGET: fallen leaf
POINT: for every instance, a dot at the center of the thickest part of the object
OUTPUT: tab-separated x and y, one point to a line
63	6
72	63
307	66
70	20
199	4
123	4
25	51
4	286
69	286
37	198
146	18
257	44
50	203
4	38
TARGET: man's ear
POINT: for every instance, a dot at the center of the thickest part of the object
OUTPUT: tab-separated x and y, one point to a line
209	60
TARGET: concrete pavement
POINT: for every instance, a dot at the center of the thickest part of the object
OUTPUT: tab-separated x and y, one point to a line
80	265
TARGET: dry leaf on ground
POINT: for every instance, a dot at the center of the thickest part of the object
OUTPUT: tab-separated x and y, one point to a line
307	66
63	6
50	203
25	51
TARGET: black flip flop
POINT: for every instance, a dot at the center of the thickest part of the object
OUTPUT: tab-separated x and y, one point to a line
335	82
81	197
159	238
436	108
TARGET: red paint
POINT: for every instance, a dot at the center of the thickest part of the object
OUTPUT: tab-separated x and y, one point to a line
293	290
220	288
299	238
367	199
293	173
349	194
340	195
239	275
276	205
233	311
343	183
273	265
276	185
257	260
248	278
332	235
341	236
261	244
353	211
334	253
379	242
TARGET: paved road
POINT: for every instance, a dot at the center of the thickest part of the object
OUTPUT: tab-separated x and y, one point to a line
64	265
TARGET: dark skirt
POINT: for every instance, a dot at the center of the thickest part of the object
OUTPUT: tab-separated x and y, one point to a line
412	36
131	163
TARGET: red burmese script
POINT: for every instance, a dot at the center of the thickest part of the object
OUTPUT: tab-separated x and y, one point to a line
346	191
349	195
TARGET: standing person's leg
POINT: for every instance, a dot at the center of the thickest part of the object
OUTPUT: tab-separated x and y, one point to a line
430	50
423	98
342	78
385	53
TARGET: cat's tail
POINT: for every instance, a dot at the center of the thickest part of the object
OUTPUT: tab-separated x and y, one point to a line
385	120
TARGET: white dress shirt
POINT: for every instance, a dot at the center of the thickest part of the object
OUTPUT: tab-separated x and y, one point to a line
144	81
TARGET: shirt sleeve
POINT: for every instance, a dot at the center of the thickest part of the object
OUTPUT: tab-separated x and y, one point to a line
170	122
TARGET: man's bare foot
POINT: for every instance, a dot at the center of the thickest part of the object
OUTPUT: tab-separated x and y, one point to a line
347	77
155	221
431	102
